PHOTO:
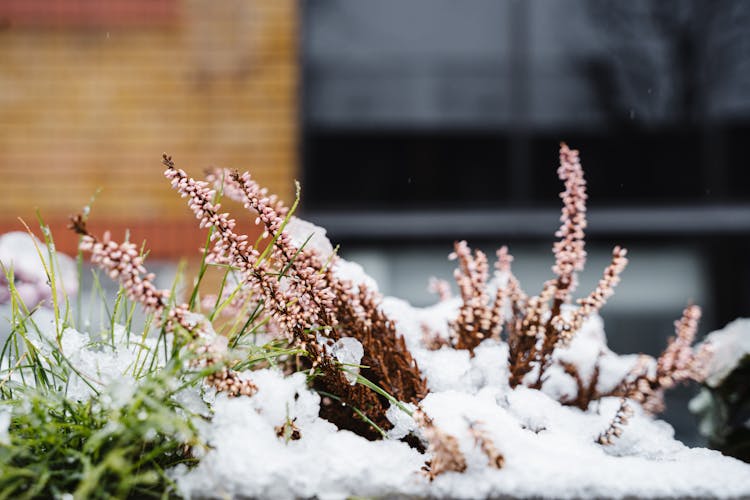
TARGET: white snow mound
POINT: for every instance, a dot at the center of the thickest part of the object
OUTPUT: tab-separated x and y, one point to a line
549	448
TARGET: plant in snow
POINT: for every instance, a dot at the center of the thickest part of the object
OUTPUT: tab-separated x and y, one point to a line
444	449
487	393
538	326
122	262
679	362
483	440
323	308
439	287
624	412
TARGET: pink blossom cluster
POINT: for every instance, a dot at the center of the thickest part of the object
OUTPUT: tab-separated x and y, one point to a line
570	255
512	288
314	304
475	317
230	247
621	418
122	262
439	287
224	379
677	362
282	303
604	289
222	178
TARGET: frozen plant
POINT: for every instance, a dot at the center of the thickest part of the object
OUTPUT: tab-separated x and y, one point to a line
318	305
537	326
296	379
123	262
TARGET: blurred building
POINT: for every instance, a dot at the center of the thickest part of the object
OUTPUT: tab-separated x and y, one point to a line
431	120
92	93
427	121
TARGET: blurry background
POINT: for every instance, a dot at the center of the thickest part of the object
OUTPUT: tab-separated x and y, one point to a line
411	124
93	91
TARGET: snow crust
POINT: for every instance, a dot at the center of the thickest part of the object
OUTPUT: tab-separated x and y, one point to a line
105	363
299	230
730	344
549	449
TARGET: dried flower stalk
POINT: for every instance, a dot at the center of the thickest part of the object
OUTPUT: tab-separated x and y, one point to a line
441	288
678	363
446	454
474	322
483	440
570	255
614	431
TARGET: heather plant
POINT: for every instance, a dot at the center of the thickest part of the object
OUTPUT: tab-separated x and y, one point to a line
127	409
68	431
538	325
104	414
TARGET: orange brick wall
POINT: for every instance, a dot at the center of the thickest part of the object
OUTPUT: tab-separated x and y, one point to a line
83	107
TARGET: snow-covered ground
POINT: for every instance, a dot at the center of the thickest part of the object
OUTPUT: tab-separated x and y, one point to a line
549	449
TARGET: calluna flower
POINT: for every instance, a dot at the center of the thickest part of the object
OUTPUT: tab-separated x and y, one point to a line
441	288
122	262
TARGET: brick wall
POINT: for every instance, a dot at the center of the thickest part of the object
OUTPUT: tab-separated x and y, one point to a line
94	103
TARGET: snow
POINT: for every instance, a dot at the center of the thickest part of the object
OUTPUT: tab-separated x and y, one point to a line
18	250
730	344
549	449
299	230
353	272
348	351
246	458
4	424
105	365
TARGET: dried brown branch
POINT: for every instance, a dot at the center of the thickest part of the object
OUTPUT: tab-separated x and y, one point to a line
483	440
444	449
678	363
614	431
431	339
586	390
